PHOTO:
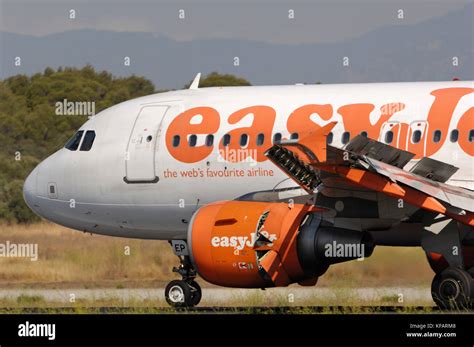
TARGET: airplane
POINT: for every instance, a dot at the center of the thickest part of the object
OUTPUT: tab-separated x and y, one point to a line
267	186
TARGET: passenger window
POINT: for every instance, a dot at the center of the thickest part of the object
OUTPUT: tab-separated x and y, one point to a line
276	138
454	135
244	139
388	136
88	140
226	140
436	136
294	136
329	138
416	137
73	143
192	140
346	136
176	140
209	140
364	133
260	139
471	135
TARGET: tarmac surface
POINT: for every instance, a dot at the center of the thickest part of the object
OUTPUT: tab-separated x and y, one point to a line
220	300
228	296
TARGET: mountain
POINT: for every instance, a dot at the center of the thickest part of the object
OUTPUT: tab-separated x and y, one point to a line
418	52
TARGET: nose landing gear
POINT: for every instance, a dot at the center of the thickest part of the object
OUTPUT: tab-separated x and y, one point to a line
185	292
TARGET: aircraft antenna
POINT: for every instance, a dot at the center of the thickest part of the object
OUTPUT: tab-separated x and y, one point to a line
195	84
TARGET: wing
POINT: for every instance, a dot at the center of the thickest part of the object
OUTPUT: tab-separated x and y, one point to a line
372	165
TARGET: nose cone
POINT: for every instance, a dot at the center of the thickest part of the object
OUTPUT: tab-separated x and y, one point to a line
30	191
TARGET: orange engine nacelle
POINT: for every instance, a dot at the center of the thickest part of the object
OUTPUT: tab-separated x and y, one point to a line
227	249
260	244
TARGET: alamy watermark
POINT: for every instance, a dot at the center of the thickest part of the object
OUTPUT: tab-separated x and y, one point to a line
19	250
237	155
28	329
344	250
75	108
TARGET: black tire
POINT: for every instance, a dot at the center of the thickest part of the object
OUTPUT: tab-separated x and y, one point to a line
196	293
178	294
453	289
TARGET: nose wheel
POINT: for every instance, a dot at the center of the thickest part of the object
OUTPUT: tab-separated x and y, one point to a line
185	292
181	293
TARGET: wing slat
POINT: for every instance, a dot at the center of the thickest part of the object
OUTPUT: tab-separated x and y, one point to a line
454	196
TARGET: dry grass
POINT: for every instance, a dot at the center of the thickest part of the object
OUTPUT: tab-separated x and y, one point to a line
73	259
388	266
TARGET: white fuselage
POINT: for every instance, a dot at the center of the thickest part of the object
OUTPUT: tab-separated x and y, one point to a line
111	189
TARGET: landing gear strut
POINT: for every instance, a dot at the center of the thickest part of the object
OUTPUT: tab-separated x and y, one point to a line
185	292
453	284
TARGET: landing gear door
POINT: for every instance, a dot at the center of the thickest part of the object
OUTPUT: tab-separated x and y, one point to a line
140	155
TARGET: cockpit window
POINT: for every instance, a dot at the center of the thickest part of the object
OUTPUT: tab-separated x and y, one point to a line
73	143
88	140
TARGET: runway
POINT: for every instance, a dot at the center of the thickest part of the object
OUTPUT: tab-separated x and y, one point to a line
293	296
281	310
